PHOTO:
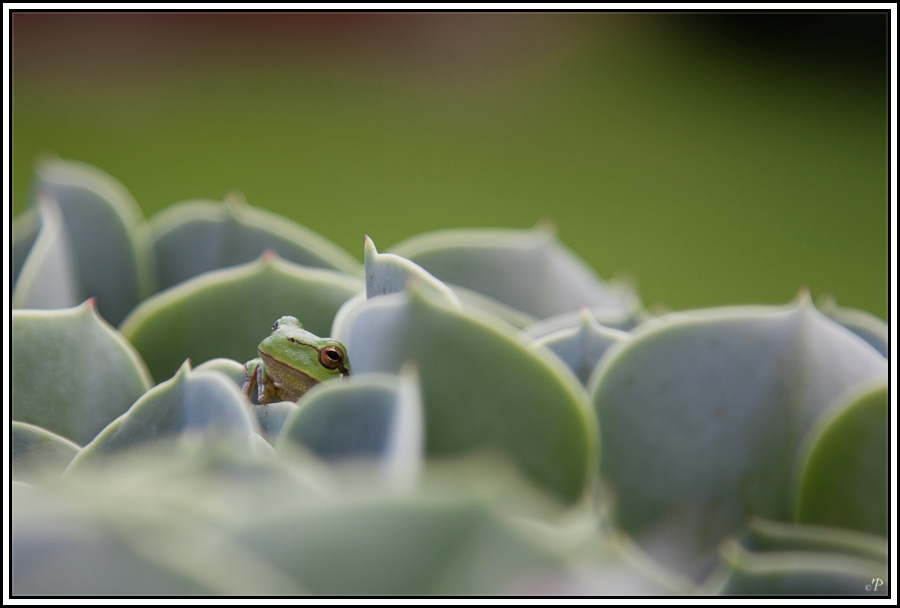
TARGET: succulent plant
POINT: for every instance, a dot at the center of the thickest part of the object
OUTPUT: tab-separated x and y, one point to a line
512	423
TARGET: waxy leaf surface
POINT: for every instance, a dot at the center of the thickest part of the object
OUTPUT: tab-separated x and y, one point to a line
152	521
581	347
106	232
375	417
197	236
25	229
798	573
764	535
529	270
482	387
199	405
271	418
60	550
38	454
48	278
388	273
624	319
702	416
865	325
227	313
231	368
844	470
72	373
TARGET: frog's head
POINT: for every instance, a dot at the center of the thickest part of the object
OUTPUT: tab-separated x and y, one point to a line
297	349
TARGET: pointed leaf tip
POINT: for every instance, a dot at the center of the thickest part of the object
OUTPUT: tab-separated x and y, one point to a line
546	225
369	248
388	273
234	199
803	297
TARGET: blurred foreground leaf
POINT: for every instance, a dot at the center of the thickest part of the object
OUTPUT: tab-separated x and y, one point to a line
38	454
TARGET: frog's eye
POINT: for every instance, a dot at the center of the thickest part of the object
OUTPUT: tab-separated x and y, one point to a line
275	326
331	357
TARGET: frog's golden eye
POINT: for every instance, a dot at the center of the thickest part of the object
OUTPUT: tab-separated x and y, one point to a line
331	357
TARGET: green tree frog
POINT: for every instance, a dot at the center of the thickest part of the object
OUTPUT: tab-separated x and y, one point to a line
291	361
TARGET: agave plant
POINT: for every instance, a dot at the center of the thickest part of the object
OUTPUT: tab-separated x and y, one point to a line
512	424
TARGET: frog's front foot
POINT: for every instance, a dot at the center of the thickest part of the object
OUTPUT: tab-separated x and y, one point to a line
250	383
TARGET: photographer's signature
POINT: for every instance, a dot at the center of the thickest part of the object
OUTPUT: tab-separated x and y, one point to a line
875	584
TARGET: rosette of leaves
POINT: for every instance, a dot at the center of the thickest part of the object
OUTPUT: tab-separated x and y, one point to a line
513	424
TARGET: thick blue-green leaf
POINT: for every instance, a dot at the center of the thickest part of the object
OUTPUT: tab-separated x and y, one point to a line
702	415
529	270
387	273
152	522
231	368
58	549
482	386
25	230
444	544
510	315
765	536
804	573
597	564
394	546
197	236
581	347
108	237
467	298
269	416
198	405
72	373
843	469
773	558
272	416
865	325
227	313
374	417
159	521
38	454
346	316
625	318
48	278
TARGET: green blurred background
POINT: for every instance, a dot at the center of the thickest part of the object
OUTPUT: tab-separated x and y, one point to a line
715	159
